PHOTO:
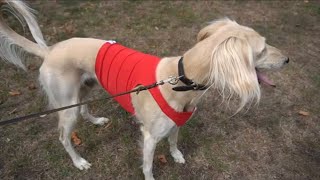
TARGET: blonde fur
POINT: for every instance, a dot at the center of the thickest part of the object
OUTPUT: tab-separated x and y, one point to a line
225	57
233	71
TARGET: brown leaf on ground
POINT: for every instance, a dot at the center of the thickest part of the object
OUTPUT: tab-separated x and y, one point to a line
13	111
32	67
108	125
32	86
162	159
75	139
139	151
15	93
69	28
304	113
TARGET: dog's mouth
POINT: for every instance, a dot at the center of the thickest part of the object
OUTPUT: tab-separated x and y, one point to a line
262	78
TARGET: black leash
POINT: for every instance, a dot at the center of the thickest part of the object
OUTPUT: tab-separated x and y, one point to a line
171	80
189	85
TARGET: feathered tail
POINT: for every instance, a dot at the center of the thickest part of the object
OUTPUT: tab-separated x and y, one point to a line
12	45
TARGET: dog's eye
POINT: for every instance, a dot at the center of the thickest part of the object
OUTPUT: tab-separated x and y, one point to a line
262	53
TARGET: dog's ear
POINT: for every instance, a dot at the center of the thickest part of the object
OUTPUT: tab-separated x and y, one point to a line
212	28
204	33
233	70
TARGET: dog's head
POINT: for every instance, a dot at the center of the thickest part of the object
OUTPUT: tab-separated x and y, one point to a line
237	56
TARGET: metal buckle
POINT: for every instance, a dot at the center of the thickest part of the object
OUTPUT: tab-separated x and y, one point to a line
173	80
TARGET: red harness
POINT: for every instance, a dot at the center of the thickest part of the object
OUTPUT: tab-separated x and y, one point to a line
120	69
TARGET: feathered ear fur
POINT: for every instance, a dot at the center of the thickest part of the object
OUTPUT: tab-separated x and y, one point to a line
213	28
233	71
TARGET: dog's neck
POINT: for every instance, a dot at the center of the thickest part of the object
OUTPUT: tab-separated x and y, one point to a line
186	100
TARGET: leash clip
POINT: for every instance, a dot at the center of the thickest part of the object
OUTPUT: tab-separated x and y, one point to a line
173	80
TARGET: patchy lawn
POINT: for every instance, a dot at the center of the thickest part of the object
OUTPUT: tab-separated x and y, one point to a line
269	141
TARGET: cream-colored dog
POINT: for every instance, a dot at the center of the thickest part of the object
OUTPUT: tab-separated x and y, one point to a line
227	57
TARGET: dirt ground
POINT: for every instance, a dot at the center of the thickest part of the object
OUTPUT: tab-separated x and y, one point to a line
269	141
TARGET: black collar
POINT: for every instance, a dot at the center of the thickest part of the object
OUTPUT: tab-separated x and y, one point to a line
189	84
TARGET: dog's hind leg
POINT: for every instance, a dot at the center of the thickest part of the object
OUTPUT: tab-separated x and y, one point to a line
67	120
63	89
87	82
95	120
175	152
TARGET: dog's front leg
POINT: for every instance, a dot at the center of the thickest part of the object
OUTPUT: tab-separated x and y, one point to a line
149	146
173	139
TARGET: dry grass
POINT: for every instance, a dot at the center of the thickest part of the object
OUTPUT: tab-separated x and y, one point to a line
271	141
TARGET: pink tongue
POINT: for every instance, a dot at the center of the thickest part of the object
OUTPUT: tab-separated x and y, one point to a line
263	78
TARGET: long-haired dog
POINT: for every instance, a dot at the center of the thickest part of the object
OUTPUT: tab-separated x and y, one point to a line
227	57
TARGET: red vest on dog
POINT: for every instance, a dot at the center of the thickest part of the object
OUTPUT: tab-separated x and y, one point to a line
120	69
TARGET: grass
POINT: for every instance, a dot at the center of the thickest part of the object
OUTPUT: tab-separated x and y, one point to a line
271	141
316	80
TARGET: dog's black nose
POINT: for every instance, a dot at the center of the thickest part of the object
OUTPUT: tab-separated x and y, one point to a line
287	60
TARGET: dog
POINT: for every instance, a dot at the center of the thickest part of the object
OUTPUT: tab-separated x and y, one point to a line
227	57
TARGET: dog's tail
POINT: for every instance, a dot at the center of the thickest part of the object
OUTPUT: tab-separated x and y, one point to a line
12	45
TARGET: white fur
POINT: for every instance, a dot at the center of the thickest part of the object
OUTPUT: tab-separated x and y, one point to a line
10	45
9	51
28	15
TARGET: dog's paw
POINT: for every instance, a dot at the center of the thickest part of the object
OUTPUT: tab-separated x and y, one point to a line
82	164
180	160
178	157
150	178
101	121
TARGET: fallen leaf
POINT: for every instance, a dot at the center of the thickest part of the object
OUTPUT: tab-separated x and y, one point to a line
162	159
109	125
32	86
14	93
75	139
69	28
54	29
304	113
139	151
13	111
32	67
